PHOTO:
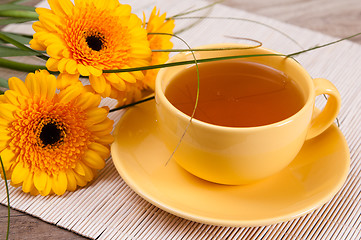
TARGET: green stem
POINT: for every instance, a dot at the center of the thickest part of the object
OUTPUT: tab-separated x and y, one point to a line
195	104
19	14
20	66
8	198
172	64
324	45
243	19
195	10
131	104
259	44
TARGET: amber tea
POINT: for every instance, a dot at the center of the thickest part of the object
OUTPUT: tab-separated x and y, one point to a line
236	93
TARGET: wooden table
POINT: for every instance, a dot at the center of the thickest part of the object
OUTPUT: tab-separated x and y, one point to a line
332	17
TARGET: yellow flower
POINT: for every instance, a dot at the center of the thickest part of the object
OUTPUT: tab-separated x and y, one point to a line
52	141
91	36
158	24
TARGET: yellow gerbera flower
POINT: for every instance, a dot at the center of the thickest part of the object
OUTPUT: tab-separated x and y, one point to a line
158	24
52	142
91	36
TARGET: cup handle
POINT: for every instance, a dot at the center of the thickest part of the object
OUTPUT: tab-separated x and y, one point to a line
329	113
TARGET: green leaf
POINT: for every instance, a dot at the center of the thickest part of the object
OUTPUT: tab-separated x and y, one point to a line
19	45
23	39
20	66
12	6
6	21
4	83
6	51
18	1
19	14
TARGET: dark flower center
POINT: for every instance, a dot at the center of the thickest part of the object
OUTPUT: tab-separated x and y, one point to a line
95	42
50	134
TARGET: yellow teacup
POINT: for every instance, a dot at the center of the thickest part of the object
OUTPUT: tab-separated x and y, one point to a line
241	155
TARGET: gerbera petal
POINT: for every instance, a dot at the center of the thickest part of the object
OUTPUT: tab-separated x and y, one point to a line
47	189
108	139
43	11
51	87
138	75
96	115
64	80
80	180
40	180
93	160
102	150
71	181
88	100
28	184
70	93
94	71
4	142
71	67
19	86
124	10
61	7
60	183
62	63
115	81
88	172
113	78
43	79
50	21
98	83
2	99
36	45
32	85
55	50
51	38
7	111
19	174
127	77
107	91
8	157
103	126
67	53
37	26
4	131
12	97
52	64
83	70
79	169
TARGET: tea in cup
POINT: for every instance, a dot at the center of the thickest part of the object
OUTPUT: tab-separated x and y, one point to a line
252	117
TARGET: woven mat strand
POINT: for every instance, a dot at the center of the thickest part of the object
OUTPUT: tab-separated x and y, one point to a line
109	209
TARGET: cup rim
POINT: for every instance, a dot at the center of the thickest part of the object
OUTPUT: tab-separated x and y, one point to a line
160	95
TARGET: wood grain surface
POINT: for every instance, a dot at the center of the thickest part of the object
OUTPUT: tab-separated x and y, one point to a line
333	17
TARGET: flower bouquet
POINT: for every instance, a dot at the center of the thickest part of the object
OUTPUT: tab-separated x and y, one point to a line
54	135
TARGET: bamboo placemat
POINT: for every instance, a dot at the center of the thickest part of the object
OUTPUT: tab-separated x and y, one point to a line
109	209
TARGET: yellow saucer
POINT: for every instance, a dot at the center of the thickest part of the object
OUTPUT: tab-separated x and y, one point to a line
311	180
